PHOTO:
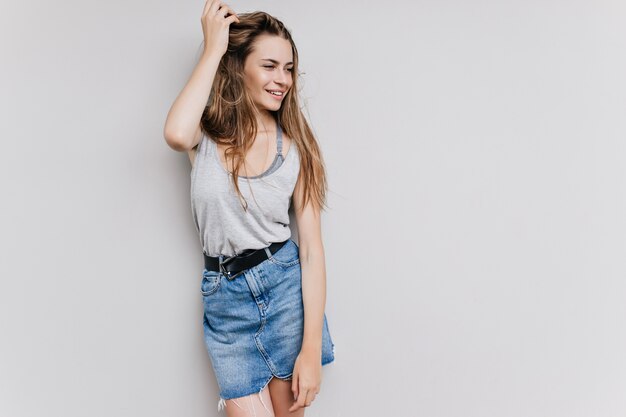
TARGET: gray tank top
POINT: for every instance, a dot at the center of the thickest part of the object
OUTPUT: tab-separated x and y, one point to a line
223	226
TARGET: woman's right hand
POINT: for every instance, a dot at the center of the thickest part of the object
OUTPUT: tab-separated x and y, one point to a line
215	26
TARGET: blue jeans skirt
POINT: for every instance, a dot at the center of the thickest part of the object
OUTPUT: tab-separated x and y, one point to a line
254	324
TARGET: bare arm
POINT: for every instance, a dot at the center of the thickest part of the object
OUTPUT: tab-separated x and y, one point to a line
182	127
313	264
307	373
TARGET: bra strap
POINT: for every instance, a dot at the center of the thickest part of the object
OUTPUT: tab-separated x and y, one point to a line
279	139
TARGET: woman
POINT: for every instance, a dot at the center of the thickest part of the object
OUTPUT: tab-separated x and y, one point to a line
264	295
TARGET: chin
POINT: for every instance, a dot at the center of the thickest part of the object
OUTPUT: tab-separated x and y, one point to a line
276	106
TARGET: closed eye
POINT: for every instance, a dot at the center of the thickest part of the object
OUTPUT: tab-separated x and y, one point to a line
271	67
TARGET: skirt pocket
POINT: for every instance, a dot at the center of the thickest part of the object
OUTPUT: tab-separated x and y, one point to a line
210	282
288	255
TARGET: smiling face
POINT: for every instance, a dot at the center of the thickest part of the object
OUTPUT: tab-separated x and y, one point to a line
269	67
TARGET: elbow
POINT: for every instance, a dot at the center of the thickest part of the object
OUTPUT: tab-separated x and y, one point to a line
176	142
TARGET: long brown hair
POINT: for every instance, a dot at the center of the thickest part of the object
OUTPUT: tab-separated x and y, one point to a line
229	117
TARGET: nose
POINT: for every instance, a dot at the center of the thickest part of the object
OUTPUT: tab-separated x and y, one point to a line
281	78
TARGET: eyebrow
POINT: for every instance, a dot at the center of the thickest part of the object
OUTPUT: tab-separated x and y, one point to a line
274	61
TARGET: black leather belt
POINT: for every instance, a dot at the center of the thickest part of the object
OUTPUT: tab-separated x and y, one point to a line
233	266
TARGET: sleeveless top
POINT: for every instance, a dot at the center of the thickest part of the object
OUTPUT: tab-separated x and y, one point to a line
222	225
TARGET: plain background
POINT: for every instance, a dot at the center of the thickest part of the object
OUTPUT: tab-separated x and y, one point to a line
475	241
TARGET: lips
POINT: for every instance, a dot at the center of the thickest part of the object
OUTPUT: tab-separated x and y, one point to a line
277	97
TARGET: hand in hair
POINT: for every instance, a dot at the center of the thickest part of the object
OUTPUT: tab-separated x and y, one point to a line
215	26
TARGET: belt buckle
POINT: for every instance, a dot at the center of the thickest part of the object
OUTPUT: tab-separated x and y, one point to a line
228	274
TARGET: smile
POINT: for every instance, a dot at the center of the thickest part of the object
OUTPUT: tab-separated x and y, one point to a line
276	94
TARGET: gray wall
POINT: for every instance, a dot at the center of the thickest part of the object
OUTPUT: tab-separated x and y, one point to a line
475	243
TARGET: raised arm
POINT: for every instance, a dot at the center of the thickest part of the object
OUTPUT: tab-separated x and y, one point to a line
182	127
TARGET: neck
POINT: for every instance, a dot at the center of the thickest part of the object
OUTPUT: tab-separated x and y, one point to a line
265	121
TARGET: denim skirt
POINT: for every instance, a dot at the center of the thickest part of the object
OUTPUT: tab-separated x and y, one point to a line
254	324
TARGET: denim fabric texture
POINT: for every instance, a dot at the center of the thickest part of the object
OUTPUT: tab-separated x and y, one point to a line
254	323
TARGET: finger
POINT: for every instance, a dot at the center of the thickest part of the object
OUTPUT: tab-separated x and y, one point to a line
294	387
299	403
232	18
310	397
302	397
207	5
215	5
225	9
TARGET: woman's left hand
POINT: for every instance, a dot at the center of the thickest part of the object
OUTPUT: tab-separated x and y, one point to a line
307	377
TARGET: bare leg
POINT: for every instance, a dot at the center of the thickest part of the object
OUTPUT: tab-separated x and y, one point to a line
282	398
253	405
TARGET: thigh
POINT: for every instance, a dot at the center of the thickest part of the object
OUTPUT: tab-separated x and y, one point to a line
253	405
282	398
